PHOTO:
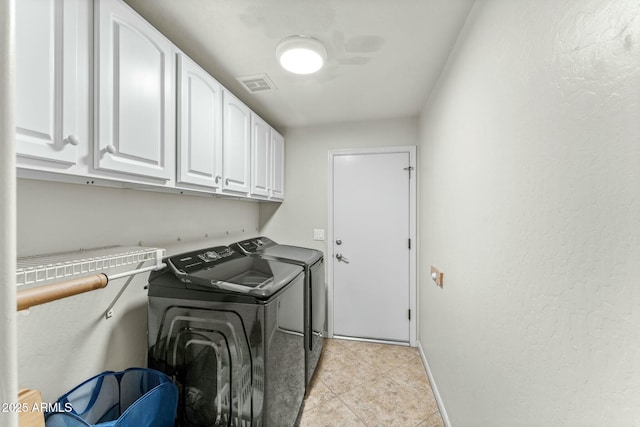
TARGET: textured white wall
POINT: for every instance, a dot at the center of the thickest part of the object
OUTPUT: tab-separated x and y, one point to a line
306	157
530	204
64	342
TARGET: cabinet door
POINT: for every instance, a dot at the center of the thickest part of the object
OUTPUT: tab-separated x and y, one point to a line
135	97
236	145
260	156
277	166
199	126
47	88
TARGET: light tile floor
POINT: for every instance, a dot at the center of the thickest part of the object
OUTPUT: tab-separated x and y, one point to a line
367	384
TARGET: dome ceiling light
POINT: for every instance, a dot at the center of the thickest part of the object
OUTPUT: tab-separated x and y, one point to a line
301	54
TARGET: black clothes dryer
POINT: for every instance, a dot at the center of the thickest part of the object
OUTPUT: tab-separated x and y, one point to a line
314	290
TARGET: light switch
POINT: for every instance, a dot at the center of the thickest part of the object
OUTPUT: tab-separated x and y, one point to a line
437	275
318	234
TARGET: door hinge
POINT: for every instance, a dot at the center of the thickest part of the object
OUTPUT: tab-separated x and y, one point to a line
409	314
409	168
409	243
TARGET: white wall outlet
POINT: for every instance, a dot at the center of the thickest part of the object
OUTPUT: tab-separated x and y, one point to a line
318	234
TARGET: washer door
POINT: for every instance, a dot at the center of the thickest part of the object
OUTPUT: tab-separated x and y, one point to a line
207	353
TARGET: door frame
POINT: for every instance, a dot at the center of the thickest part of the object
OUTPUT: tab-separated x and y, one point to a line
411	150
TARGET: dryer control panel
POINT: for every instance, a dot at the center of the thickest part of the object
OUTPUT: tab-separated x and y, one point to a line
203	258
251	246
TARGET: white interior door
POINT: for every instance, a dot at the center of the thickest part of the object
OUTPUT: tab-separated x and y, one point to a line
371	254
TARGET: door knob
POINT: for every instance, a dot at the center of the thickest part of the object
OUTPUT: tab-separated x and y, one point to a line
339	257
338	242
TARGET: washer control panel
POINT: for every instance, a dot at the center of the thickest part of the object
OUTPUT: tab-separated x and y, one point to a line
251	246
203	258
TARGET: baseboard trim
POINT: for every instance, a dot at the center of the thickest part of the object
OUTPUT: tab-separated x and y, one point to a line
434	387
372	340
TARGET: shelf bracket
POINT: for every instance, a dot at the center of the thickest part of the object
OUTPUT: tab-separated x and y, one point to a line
109	312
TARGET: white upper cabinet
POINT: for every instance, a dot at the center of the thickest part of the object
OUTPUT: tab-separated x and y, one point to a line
236	145
267	160
48	87
135	105
199	126
158	119
277	166
260	156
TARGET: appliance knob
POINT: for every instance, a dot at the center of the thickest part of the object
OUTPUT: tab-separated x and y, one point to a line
212	255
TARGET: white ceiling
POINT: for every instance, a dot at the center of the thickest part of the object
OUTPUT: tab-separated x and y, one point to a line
384	56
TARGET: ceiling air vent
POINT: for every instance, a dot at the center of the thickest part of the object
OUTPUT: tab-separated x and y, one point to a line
257	84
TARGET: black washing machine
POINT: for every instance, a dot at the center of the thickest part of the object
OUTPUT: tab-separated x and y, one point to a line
228	329
314	291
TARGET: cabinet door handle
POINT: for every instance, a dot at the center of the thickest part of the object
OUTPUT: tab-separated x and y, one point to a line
226	181
71	139
110	149
217	179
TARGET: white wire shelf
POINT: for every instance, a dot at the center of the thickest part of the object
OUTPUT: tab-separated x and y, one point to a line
66	265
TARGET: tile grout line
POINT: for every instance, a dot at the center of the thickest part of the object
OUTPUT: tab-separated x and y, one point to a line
348	354
352	411
393	378
333	394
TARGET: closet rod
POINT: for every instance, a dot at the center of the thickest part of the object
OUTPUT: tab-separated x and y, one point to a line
43	294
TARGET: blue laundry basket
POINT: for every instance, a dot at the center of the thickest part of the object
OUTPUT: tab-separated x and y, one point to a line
136	397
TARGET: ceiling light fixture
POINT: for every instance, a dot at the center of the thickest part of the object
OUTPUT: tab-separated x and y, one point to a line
301	54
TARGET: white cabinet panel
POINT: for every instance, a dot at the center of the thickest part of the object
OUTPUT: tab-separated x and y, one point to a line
260	156
135	94
236	145
277	166
267	160
199	126
47	83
